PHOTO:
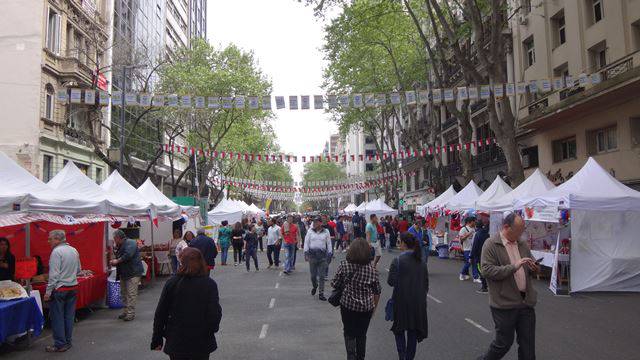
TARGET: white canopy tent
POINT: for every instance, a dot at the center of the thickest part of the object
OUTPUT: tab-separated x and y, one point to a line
360	208
225	210
165	206
497	189
465	199
605	223
24	198
118	188
536	184
350	209
380	208
438	201
254	210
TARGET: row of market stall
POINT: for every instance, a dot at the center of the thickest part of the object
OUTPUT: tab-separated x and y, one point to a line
585	229
233	211
89	213
377	207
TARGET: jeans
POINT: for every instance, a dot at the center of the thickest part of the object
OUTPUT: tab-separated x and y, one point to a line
522	321
295	254
174	264
260	243
288	262
251	253
406	343
355	326
425	254
224	252
62	311
467	265
318	267
237	252
273	254
129	295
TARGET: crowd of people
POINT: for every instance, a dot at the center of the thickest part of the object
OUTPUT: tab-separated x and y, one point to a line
190	302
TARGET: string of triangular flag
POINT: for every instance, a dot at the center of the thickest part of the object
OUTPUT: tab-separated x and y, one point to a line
402	154
320	102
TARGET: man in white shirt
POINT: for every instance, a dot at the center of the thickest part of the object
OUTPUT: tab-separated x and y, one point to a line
317	251
274	241
466	235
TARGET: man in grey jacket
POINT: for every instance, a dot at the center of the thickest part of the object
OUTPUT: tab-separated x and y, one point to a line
62	290
129	270
507	266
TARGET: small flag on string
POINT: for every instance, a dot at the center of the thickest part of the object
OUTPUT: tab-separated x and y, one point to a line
448	95
305	102
90	97
437	96
103	98
199	102
546	85
253	103
558	83
239	102
293	102
157	100
318	102
76	96
423	96
266	102
357	101
63	97
521	88
410	97
395	99
533	86
344	101
381	99
485	92
473	93
462	93
498	90
185	101
333	101
510	89
369	100
596	78
280	102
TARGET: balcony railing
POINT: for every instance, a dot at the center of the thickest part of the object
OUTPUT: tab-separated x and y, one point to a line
478	105
538	106
492	155
449	123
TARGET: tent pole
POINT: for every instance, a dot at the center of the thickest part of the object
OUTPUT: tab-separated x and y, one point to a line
153	256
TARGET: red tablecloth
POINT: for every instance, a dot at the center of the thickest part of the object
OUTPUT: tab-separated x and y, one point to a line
90	289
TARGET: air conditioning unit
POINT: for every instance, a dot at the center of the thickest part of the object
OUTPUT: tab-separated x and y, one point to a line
523	19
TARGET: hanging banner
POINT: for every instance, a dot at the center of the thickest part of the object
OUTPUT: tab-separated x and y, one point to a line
546	213
305	102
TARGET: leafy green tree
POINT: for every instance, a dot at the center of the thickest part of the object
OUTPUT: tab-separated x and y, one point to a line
322	171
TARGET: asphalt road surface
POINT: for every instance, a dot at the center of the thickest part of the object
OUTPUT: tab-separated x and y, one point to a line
268	315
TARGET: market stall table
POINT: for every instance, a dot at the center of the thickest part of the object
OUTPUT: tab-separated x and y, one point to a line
19	316
90	289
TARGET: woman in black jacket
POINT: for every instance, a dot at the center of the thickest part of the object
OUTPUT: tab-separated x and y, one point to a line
7	261
409	277
189	312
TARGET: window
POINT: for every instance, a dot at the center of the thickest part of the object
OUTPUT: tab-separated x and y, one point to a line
602	140
98	175
635	34
416	180
82	167
529	51
369	140
598	11
525	6
52	41
49	102
369	167
47	164
530	157
560	35
564	149
77	117
598	56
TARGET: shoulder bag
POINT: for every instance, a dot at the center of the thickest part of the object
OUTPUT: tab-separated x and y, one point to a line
388	309
336	294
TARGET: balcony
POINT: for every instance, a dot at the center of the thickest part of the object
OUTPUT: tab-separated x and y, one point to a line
450	122
71	67
491	156
620	82
477	106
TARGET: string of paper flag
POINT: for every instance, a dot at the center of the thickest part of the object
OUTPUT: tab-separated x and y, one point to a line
320	102
315	187
384	155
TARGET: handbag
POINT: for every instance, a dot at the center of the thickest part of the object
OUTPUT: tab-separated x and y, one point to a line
336	294
388	309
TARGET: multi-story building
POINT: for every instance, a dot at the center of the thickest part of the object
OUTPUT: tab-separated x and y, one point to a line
48	48
197	19
177	25
358	143
562	40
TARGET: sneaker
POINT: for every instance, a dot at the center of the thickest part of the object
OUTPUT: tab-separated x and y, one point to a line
129	318
322	298
313	291
121	316
462	277
53	348
269	267
482	291
477	281
235	264
257	269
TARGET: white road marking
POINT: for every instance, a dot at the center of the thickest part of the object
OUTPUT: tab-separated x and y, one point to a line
434	299
263	331
482	328
280	273
277	285
272	303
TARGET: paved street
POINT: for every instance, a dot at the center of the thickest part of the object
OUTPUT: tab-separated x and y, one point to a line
267	315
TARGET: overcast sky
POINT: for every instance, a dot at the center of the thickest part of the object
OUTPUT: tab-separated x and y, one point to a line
286	39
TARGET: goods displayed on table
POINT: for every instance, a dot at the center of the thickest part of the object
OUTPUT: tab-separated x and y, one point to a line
10	290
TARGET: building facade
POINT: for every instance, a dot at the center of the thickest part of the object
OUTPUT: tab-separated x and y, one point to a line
560	129
51	47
